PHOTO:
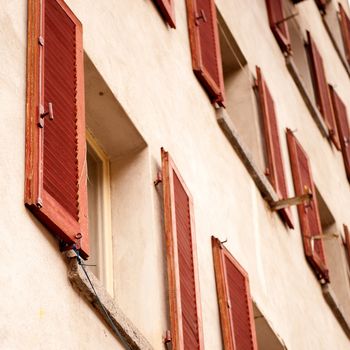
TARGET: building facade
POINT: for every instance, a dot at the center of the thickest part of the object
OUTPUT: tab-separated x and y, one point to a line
175	174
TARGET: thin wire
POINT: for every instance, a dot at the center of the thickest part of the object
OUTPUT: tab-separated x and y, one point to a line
110	321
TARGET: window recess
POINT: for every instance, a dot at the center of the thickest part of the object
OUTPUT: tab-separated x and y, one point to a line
323	97
337	25
341	117
338	290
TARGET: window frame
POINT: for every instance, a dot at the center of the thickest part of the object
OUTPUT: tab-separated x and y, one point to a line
105	238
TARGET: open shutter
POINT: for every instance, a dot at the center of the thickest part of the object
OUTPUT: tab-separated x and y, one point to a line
308	212
235	303
278	24
323	97
166	7
183	283
345	29
205	47
55	140
341	117
275	168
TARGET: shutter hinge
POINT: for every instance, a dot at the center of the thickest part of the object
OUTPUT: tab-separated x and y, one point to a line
39	203
78	238
167	338
41	41
158	179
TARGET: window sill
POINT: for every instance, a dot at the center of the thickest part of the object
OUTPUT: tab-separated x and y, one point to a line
132	336
336	308
316	115
232	135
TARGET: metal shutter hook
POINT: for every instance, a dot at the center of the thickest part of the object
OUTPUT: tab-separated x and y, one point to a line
43	114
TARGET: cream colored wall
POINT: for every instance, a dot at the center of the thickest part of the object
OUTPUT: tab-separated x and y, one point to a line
148	68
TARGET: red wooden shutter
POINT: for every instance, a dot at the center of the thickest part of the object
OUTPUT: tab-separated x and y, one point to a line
341	117
235	303
345	29
166	7
275	168
308	213
278	25
183	283
205	47
55	149
323	98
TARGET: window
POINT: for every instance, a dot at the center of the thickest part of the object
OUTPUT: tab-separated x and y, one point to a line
278	24
117	163
309	216
341	117
183	283
166	8
205	47
345	31
253	117
338	291
55	188
274	169
323	97
283	19
337	24
235	303
99	209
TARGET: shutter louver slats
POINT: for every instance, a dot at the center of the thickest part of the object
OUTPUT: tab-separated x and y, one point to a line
345	29
308	213
183	282
322	93
341	117
235	303
275	172
205	47
166	7
278	25
59	195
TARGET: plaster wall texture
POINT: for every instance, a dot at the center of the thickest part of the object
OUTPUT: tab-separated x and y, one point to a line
147	66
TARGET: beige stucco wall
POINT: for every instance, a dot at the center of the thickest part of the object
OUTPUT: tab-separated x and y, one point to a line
148	68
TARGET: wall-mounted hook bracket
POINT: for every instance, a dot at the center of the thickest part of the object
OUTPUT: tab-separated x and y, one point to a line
167	338
285	203
158	179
